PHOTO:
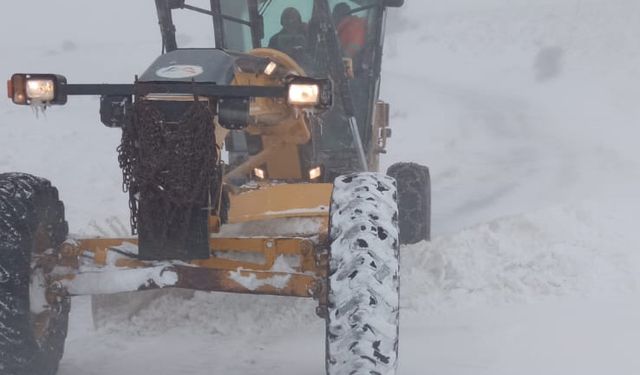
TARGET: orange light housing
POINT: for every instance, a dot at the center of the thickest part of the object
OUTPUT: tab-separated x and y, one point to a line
10	89
48	89
19	89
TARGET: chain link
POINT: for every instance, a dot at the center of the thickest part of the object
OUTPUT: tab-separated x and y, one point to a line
168	165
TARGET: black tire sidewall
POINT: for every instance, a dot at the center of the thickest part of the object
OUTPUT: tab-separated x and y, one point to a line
28	204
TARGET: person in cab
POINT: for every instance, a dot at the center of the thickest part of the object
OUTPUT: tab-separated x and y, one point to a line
352	30
292	39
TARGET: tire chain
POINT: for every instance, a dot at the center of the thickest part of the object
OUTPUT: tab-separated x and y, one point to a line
173	161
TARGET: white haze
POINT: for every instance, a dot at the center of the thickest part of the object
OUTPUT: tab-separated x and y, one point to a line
527	113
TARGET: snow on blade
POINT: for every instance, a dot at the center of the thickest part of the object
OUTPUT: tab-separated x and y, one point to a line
120	280
38	292
298	211
251	282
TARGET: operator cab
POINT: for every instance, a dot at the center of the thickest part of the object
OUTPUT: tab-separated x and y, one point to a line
294	27
337	39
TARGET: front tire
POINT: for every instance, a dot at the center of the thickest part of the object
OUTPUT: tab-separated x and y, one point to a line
33	328
363	282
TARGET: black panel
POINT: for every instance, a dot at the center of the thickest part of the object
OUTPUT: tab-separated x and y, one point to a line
116	111
233	113
188	65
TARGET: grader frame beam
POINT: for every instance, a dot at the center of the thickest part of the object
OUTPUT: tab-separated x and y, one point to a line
105	266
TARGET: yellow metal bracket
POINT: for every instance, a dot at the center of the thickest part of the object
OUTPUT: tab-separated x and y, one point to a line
286	266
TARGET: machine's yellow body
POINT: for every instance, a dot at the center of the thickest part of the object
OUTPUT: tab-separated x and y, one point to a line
282	129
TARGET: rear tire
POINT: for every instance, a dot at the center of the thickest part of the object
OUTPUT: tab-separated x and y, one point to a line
363	283
31	223
414	194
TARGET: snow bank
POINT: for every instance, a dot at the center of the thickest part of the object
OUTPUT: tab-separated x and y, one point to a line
578	250
587	250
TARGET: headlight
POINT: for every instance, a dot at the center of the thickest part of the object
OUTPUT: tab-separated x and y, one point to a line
304	95
25	89
42	90
316	173
308	92
260	173
270	68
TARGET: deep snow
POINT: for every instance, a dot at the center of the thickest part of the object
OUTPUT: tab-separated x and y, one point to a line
526	111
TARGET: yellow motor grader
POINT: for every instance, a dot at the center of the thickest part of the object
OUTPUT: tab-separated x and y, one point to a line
251	167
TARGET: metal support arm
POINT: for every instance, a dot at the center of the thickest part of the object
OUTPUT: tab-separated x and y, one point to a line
199	89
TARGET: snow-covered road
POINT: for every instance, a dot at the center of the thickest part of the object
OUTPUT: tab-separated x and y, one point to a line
573	336
527	112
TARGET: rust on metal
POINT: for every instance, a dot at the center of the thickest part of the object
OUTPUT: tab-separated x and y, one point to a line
214	223
41	324
246	282
380	134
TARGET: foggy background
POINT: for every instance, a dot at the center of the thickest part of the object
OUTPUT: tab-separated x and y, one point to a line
526	112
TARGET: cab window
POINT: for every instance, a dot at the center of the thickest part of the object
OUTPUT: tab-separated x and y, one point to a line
354	22
272	12
286	27
237	36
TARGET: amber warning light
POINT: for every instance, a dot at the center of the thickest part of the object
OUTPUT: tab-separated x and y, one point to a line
45	89
10	89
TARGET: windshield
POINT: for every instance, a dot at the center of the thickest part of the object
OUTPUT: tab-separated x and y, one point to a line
274	15
288	24
236	34
298	28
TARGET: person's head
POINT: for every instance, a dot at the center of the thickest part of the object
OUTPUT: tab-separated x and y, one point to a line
340	11
291	19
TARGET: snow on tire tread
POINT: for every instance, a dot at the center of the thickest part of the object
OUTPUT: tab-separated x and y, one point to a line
363	308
